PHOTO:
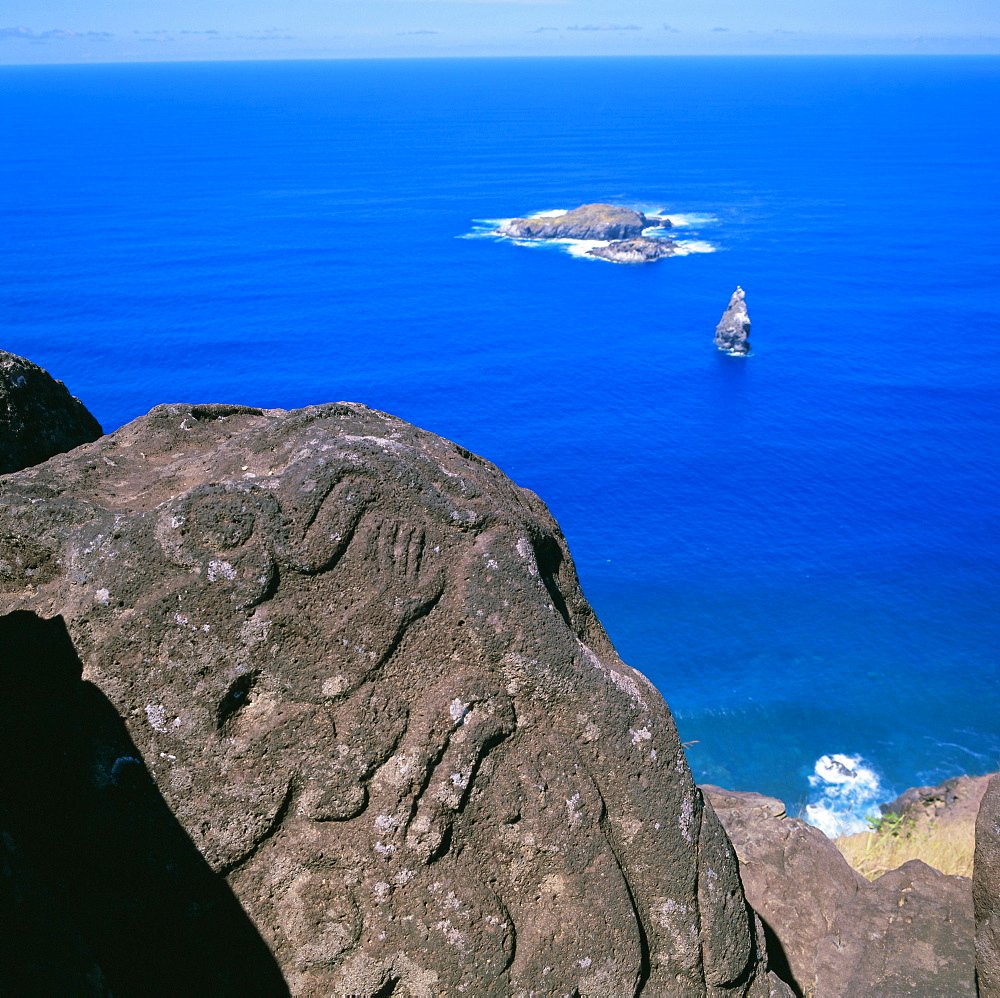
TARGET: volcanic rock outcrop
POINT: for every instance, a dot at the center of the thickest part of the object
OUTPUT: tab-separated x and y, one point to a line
353	660
986	891
589	221
732	334
639	250
951	804
831	933
38	416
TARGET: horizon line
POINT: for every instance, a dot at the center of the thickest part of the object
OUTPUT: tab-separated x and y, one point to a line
422	57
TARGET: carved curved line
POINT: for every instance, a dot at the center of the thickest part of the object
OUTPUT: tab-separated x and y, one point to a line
607	829
268	833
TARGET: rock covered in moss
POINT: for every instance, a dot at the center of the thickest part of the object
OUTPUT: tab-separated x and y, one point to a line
356	660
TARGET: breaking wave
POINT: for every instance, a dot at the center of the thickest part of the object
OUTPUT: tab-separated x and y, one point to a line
844	792
689	220
687	246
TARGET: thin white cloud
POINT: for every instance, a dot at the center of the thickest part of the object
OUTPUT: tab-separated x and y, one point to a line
52	34
603	27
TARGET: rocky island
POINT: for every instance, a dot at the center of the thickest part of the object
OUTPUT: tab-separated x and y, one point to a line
620	229
325	712
642	249
732	335
589	221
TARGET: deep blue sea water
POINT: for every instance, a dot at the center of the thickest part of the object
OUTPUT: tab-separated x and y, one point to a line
800	547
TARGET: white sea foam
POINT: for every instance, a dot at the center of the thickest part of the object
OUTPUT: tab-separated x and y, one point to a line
685	247
689	220
845	792
486	228
581	247
553	213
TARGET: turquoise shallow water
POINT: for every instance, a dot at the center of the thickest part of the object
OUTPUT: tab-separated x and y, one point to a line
800	547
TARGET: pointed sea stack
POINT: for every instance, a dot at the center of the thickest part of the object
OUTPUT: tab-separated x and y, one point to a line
732	334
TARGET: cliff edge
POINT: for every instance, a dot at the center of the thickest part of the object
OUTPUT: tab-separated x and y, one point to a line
351	663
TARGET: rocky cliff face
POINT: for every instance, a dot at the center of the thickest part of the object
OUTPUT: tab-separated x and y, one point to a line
352	660
831	933
38	416
589	221
732	334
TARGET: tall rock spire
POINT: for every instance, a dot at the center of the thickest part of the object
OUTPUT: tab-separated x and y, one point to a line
733	331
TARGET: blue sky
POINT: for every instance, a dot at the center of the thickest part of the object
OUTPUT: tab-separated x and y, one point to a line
126	30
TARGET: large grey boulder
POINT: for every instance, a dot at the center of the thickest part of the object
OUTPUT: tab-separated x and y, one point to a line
357	665
831	933
986	891
38	416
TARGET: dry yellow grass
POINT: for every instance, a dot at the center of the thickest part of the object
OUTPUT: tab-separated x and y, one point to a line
948	847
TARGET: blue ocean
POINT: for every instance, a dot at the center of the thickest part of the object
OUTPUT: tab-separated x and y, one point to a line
800	547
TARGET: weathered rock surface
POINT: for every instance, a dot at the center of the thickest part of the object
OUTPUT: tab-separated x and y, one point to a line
793	875
954	802
908	933
830	933
986	891
589	221
639	250
356	662
732	334
38	416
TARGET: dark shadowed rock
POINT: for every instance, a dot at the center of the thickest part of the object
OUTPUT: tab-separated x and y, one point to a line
356	662
38	416
830	933
103	892
986	891
638	250
589	221
732	334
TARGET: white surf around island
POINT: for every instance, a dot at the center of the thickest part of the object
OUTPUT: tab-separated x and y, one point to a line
845	792
491	228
